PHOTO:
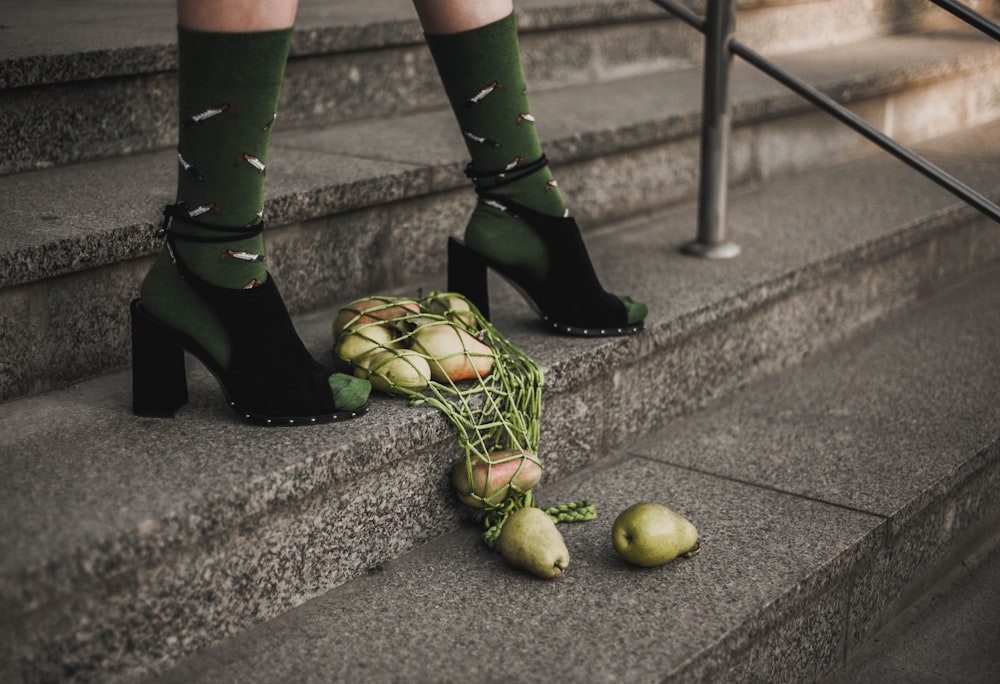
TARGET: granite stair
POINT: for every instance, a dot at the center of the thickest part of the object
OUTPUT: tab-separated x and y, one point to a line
130	545
825	497
622	131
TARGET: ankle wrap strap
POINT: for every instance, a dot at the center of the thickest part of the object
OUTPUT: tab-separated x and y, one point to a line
225	234
182	212
499	177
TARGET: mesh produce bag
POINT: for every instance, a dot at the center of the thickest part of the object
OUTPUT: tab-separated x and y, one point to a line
439	350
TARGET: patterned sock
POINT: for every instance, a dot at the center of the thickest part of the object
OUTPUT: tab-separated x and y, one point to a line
229	85
228	89
483	79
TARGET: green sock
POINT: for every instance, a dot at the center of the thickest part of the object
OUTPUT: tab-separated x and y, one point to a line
229	85
482	76
228	89
483	79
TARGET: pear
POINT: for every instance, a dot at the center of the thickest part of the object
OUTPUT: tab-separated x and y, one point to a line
357	344
456	355
495	476
455	308
373	310
650	534
392	371
529	540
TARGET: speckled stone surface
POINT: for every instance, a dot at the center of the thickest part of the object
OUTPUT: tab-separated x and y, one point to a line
772	440
216	485
50	42
829	444
54	224
950	628
920	535
75	323
67	328
453	611
133	542
107	89
358	60
258	522
319	174
372	178
186	596
789	564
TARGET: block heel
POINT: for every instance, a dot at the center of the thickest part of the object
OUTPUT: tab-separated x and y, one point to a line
569	299
467	275
159	377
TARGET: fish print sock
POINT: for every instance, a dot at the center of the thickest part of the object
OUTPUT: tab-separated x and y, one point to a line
228	88
481	73
484	81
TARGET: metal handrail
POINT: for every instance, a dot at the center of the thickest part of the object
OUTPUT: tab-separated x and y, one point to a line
970	17
720	46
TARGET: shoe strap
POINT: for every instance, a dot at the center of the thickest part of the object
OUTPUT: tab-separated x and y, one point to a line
170	235
182	212
500	177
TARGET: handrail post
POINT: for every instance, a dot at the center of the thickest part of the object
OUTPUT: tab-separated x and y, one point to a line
720	26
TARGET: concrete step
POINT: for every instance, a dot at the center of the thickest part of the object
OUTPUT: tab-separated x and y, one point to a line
821	494
97	81
350	60
77	238
948	634
131	543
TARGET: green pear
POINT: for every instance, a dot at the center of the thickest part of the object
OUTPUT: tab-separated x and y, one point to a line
650	534
357	344
530	541
456	354
455	308
396	370
495	476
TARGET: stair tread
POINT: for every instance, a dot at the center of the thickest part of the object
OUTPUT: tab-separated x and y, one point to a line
84	479
44	42
49	41
198	528
58	221
791	483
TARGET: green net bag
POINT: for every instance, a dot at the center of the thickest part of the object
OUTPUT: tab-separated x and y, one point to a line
440	351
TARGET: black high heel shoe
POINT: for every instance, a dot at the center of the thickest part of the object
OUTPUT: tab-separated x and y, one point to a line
271	378
570	298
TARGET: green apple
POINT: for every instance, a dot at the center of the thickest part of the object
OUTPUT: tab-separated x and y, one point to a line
650	534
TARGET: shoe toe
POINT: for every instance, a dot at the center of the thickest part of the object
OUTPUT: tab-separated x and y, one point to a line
349	393
637	311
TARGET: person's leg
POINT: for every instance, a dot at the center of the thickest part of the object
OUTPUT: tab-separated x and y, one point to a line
451	16
475	47
236	15
232	56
